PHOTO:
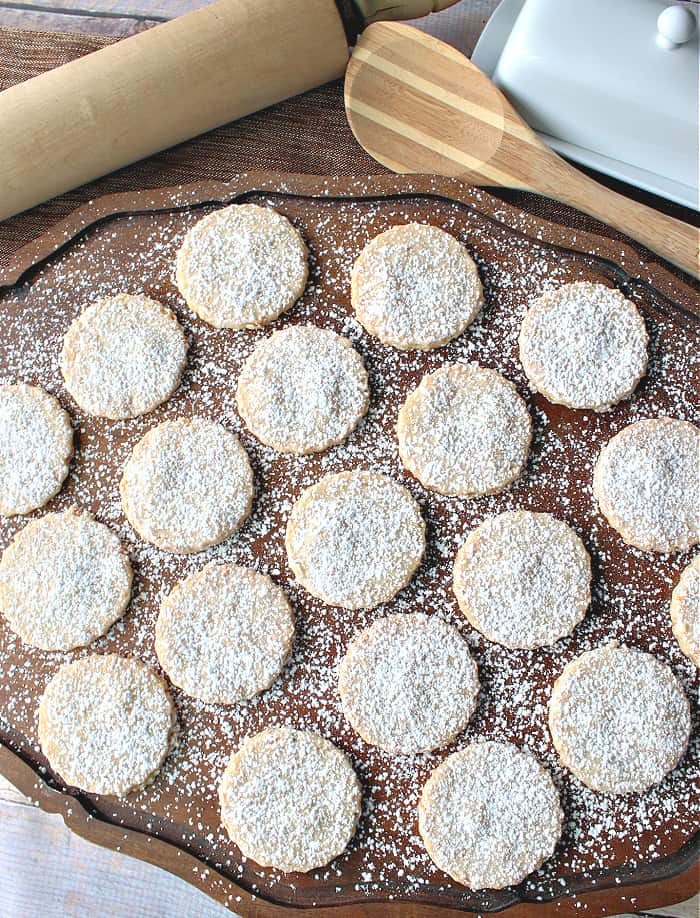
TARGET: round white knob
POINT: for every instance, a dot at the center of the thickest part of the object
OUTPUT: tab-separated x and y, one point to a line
676	25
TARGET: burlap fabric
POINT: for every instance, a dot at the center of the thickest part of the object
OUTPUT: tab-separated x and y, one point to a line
306	134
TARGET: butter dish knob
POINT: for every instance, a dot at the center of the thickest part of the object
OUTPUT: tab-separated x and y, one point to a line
676	25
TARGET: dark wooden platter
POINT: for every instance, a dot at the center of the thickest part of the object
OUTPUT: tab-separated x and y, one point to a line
616	854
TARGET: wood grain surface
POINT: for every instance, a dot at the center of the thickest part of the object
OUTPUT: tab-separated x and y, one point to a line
547	233
45	869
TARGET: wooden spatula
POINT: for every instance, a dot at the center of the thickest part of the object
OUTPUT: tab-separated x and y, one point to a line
417	105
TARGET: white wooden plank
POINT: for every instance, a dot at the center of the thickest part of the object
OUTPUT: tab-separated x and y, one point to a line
460	25
689	909
10	794
45	869
40	20
146	9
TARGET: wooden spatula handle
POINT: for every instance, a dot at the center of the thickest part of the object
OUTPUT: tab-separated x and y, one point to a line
675	241
418	105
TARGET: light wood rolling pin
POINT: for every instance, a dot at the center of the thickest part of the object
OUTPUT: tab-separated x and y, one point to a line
418	105
175	81
158	88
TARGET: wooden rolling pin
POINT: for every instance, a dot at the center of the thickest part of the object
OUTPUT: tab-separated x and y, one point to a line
160	87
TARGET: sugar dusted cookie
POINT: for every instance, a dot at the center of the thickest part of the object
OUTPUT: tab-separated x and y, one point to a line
619	719
290	799
464	431
106	724
408	683
523	579
489	815
303	389
242	266
584	345
36	446
123	356
647	481
415	287
224	634
187	485
64	580
354	539
685	611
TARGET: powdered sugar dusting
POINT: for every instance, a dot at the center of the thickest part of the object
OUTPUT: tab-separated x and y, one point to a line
36	446
187	485
523	579
290	799
415	286
619	719
685	611
464	431
303	389
408	683
64	580
647	481
224	633
604	837
584	345
490	815
106	723
354	539
241	265
123	356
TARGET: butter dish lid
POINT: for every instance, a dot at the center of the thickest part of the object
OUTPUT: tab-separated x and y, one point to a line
613	86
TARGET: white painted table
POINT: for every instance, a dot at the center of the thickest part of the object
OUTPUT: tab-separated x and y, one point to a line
46	870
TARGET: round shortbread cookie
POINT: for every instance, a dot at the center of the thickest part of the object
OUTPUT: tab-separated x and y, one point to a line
224	634
489	815
187	485
464	431
64	580
523	579
647	481
290	799
242	266
415	287
354	539
619	719
36	447
303	389
106	724
584	345
123	356
408	683
685	611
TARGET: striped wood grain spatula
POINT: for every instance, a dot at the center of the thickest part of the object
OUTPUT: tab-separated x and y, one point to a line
418	105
